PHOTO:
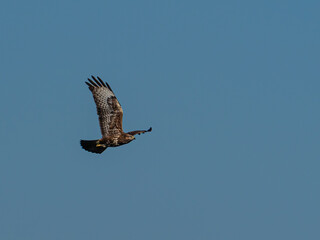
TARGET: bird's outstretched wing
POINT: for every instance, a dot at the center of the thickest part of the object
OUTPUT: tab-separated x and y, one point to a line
140	131
108	108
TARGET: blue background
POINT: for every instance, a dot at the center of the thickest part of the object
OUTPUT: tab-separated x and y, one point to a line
231	89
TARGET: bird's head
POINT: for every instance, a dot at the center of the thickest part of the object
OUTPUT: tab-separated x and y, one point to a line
130	137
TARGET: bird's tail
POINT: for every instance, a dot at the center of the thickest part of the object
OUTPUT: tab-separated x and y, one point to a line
92	146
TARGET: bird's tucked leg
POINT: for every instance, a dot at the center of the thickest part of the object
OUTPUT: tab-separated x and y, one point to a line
93	146
100	145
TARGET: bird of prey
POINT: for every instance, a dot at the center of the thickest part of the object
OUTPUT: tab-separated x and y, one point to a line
110	118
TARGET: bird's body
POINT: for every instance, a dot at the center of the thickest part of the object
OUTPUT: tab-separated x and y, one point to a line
116	141
110	119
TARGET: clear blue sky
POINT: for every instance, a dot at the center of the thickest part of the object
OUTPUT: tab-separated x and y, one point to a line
231	89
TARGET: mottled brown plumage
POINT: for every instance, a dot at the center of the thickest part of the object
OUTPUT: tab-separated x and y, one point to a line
110	119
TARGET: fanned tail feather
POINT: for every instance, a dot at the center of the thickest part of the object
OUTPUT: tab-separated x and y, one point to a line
91	146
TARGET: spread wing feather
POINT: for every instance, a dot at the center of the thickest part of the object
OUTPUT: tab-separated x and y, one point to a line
140	131
108	108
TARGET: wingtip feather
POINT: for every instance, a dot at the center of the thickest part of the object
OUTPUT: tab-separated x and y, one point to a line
98	83
93	83
109	87
90	86
103	84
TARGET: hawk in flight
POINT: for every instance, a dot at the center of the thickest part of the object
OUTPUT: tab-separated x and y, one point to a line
110	118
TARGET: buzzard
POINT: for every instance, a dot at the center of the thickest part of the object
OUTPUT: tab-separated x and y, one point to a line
110	118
